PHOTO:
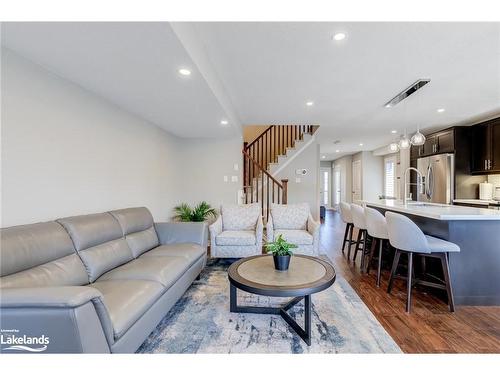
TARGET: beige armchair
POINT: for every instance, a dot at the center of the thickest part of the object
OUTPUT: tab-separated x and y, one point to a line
237	232
296	224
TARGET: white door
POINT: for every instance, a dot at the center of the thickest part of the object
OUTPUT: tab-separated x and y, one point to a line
356	180
325	186
336	187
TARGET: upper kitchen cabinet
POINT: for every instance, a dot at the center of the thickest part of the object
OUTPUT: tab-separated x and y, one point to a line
436	143
486	147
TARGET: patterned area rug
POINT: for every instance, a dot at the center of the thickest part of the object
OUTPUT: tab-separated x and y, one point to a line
200	322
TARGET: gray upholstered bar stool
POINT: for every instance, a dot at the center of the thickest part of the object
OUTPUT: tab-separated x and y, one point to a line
345	215
407	237
376	225
358	218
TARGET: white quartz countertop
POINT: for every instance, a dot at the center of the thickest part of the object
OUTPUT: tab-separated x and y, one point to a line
437	211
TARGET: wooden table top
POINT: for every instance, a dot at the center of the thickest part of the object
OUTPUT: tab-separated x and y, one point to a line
306	275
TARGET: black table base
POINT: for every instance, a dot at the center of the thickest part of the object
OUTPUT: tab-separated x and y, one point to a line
304	333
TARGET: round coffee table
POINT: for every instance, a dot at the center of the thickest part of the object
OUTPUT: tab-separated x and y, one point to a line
305	276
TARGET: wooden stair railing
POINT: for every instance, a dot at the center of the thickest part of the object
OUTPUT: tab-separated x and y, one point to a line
258	184
265	189
274	142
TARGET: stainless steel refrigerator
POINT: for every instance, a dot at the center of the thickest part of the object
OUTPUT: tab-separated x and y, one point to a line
438	173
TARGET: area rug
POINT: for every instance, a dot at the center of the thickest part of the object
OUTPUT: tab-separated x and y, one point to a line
200	322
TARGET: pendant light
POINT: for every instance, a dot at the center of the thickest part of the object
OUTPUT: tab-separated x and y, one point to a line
418	139
404	142
394	147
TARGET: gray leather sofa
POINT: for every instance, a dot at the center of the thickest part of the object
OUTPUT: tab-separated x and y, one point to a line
96	283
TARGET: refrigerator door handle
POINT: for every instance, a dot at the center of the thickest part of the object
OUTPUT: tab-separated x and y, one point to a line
429	182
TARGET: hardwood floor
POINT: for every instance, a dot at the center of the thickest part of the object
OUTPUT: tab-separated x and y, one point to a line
430	328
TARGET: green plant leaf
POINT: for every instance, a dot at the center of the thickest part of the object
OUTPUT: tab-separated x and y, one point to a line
280	247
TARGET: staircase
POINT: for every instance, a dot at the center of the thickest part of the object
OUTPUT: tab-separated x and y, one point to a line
266	156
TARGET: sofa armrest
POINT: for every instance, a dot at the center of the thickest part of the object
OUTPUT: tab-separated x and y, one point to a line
259	232
215	229
313	229
73	318
171	233
270	229
62	296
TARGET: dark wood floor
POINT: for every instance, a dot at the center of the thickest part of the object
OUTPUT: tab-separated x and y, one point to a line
430	328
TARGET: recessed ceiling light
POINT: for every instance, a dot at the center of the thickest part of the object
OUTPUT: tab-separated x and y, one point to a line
224	122
184	72
309	104
441	110
323	157
361	144
337	150
394	131
339	36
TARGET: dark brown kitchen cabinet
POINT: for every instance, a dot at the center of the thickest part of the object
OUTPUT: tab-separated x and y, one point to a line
436	143
445	142
485	139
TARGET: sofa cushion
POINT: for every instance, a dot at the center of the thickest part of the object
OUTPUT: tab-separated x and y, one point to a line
99	240
297	237
190	251
138	227
236	237
290	216
164	270
240	217
127	300
39	254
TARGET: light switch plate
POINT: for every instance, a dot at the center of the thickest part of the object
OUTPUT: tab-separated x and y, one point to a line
226	179
236	167
297	180
234	178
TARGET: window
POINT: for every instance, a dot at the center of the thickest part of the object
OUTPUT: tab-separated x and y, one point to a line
390	177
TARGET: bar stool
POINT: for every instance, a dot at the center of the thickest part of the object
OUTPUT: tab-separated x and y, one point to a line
407	238
345	215
376	225
358	218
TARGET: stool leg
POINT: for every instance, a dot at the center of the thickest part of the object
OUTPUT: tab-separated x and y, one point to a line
358	244
345	237
395	262
447	279
350	242
408	282
379	266
372	251
363	253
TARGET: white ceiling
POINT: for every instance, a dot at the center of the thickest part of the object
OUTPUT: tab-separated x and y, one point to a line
263	73
133	64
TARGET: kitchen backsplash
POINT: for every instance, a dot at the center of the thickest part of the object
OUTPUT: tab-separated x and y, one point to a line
494	179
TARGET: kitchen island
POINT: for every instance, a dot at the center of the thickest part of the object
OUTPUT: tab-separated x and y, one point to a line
475	271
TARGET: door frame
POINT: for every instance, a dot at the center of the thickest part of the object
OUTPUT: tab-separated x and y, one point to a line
357	163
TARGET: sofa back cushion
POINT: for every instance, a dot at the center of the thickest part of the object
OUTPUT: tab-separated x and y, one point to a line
290	216
240	217
39	254
138	227
98	239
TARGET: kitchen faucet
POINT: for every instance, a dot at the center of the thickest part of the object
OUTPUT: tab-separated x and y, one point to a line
420	183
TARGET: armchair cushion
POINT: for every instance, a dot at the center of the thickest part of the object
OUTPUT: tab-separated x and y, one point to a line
236	237
297	237
290	216
240	217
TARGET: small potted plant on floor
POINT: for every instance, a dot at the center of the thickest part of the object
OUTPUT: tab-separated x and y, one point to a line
281	250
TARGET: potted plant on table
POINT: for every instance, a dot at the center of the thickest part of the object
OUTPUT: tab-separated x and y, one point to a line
200	212
281	250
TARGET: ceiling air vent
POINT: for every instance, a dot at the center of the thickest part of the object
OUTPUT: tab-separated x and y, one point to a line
407	92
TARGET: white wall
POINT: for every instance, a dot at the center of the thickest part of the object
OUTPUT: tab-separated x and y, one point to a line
307	190
205	162
68	152
372	176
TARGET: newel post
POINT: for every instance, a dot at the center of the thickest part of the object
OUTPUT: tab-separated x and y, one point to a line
285	189
245	144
